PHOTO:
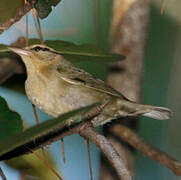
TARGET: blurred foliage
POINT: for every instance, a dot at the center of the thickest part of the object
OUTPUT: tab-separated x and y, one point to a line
73	52
8	8
44	7
10	121
30	167
159	54
3	48
82	52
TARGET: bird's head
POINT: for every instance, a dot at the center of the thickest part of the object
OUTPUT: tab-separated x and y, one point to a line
37	56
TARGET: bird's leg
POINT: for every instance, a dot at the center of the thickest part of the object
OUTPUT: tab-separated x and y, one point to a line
89	159
63	150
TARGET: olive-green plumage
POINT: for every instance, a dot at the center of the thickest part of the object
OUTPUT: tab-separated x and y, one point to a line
56	86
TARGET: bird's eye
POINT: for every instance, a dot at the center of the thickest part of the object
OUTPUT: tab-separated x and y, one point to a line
38	48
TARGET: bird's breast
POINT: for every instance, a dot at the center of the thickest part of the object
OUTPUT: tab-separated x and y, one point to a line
55	96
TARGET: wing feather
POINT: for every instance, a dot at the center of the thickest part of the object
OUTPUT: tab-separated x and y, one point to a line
76	76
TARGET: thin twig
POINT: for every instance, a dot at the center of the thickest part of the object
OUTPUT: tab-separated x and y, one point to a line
20	12
22	175
63	150
2	175
147	149
37	24
37	122
164	2
27	39
27	32
35	114
46	164
106	147
89	158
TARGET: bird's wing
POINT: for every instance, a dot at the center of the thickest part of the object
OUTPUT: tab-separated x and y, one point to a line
76	76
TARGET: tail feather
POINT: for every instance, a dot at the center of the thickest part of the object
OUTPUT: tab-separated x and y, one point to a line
159	113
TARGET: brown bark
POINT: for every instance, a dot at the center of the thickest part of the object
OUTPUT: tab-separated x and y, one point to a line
147	149
17	16
129	25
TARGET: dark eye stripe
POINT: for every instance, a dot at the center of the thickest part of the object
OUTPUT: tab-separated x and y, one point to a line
38	48
45	49
80	80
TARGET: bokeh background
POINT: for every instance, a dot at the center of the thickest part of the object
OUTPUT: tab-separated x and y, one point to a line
88	21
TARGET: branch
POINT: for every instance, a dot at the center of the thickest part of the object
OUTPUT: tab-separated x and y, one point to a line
147	149
106	147
64	128
86	130
18	15
2	175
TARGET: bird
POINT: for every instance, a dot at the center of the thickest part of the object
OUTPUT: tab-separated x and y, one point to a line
56	86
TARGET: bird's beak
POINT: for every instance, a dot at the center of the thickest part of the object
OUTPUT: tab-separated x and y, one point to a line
20	51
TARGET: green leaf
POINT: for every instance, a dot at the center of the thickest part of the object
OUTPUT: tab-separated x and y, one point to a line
10	121
3	48
8	8
78	53
73	52
44	7
41	133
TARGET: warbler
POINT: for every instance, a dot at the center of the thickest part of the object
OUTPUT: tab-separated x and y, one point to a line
56	86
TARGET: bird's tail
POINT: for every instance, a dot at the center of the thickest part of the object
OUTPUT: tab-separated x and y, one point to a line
160	113
129	108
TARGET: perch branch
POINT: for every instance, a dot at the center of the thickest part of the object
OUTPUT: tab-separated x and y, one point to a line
2	175
17	16
125	134
106	147
88	132
85	130
147	149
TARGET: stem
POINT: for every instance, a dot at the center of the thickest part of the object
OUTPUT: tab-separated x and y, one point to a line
2	175
35	114
63	150
89	159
